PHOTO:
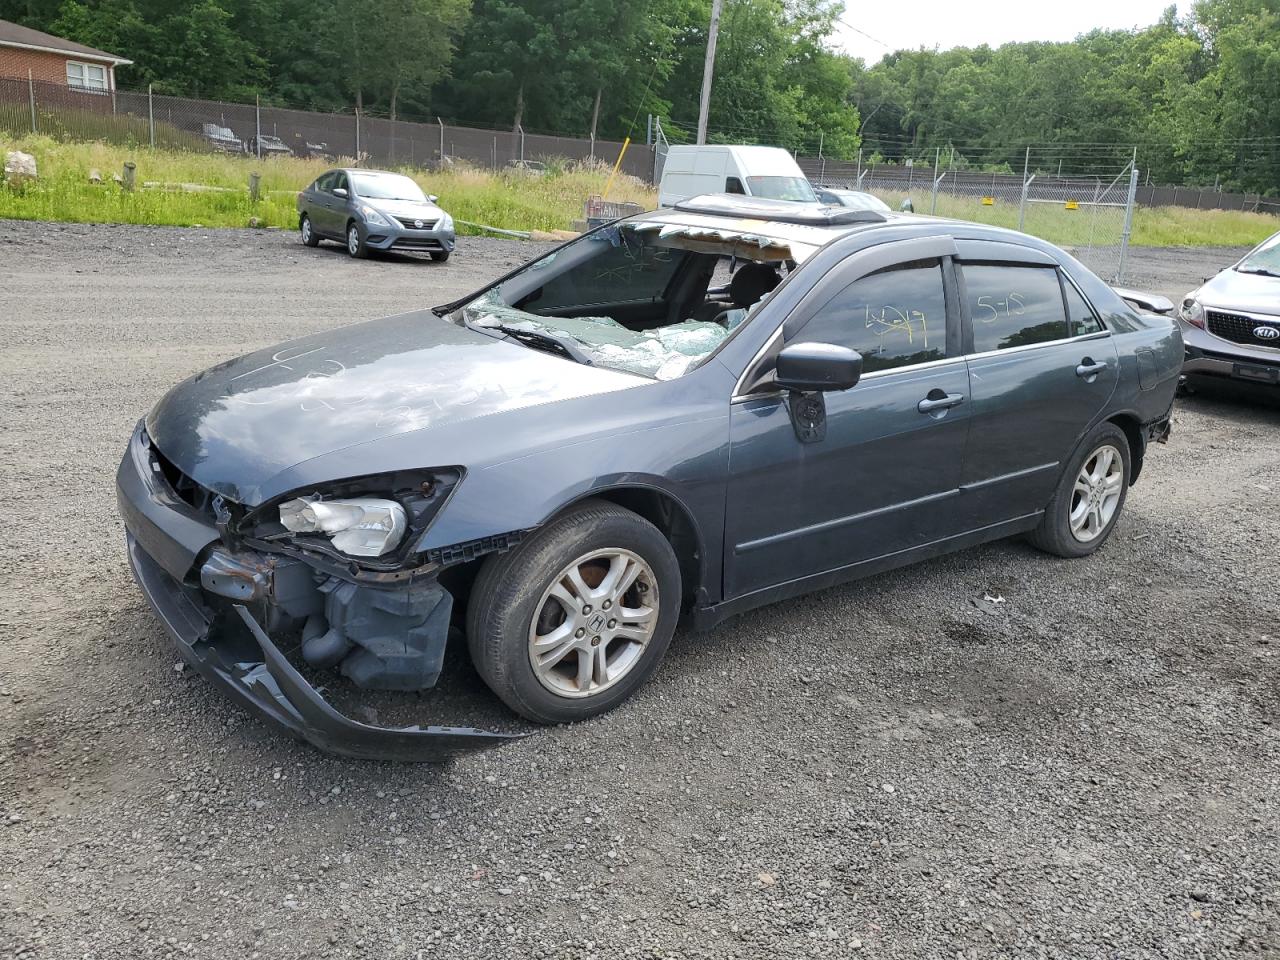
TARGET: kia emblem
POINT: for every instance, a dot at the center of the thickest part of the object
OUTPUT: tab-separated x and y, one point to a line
418	224
1267	333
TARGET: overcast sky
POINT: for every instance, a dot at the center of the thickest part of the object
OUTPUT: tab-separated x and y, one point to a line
948	23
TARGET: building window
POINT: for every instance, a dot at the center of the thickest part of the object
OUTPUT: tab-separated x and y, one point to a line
87	76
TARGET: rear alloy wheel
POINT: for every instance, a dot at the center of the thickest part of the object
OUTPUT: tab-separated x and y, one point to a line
309	236
1090	495
576	618
355	241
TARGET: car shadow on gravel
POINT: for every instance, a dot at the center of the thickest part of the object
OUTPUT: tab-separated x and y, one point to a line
375	256
1240	402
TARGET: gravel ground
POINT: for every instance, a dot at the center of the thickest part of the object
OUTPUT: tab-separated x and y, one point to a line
1087	766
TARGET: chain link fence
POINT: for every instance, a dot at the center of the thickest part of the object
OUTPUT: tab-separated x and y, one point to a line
144	118
1091	217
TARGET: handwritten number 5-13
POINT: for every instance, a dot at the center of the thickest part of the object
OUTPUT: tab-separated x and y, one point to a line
1013	306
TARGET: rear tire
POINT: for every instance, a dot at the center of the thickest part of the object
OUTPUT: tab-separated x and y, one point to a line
576	618
1090	496
309	236
355	241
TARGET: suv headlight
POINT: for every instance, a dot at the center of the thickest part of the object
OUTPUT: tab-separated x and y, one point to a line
1192	312
373	216
446	222
359	526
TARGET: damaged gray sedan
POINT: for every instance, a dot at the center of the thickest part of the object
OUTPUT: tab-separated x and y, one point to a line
689	413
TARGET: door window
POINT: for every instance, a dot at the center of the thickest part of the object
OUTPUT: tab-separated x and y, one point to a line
339	183
1081	319
733	185
1013	306
894	317
325	182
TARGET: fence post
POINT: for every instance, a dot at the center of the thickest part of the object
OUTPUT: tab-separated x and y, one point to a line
1026	184
522	146
255	186
357	136
151	116
441	122
31	92
257	126
859	168
127	179
1128	217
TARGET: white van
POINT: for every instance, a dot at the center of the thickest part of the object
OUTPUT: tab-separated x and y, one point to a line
768	172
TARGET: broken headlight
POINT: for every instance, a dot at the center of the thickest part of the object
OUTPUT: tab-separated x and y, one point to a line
359	527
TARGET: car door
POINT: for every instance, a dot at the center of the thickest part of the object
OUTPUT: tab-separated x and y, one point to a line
882	479
1042	368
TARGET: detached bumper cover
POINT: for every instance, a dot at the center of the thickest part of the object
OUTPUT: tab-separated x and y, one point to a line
241	660
231	649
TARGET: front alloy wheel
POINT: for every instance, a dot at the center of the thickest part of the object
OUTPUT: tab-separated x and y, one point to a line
355	242
577	617
593	623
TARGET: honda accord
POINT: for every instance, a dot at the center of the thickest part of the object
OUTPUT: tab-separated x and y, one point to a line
684	414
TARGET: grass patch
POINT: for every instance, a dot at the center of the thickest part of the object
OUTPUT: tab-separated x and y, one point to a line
513	201
1102	226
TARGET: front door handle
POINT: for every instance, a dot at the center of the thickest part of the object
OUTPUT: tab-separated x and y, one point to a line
943	401
1088	369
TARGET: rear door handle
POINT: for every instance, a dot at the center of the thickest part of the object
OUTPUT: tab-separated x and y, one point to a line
1089	369
932	404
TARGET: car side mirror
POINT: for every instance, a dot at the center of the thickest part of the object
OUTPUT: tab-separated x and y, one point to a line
340	192
817	367
432	197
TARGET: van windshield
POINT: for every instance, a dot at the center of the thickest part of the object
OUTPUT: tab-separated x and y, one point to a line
782	188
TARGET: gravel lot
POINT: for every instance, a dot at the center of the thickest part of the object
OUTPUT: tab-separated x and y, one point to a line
1088	767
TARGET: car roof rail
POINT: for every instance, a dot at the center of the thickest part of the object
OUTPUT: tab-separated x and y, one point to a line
779	211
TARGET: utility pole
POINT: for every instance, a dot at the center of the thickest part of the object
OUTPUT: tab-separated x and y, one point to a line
704	105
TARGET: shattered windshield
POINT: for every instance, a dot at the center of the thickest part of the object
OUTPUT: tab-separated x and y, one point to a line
1264	260
644	297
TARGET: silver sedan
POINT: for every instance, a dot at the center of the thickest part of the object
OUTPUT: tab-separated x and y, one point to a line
374	210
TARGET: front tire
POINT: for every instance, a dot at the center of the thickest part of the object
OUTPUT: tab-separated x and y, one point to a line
355	241
440	256
1090	496
309	236
575	619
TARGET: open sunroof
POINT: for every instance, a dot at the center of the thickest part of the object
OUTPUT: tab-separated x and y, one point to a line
779	211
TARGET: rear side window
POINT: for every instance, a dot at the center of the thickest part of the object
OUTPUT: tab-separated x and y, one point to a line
1081	319
894	318
1013	306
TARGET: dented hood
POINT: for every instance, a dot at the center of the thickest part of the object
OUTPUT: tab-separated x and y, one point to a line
236	425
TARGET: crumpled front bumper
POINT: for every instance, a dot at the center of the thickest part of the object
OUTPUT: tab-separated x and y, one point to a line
233	651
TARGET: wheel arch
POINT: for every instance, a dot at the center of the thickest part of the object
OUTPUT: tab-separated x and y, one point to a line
1132	428
672	517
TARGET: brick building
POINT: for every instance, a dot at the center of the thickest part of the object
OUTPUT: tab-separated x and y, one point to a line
47	59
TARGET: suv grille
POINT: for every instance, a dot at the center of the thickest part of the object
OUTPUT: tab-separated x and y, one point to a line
410	224
1239	329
